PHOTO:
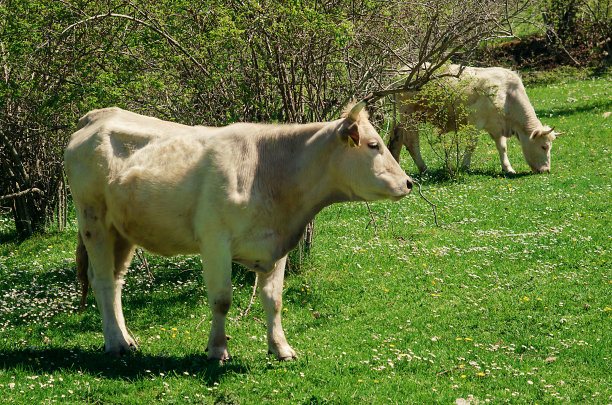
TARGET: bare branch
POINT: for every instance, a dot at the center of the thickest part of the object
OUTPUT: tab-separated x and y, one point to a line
32	190
155	29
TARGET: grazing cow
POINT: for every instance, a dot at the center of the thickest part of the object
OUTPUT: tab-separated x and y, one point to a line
497	103
241	193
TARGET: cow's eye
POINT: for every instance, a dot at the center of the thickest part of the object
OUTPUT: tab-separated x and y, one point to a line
373	145
544	148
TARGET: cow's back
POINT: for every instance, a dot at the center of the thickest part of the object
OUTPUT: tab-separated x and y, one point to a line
144	173
485	91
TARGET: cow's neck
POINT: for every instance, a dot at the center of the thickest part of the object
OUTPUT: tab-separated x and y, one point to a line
521	113
302	183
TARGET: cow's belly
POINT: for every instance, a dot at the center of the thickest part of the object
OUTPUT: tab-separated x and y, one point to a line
162	236
159	221
160	239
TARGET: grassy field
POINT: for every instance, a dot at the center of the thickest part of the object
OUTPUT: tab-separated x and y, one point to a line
508	301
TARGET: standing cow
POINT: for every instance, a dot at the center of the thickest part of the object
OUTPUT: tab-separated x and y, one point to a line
241	193
497	103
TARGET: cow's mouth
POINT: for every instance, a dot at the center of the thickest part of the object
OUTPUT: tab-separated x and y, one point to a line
405	190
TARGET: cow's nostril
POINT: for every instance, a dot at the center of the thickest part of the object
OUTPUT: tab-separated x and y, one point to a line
409	184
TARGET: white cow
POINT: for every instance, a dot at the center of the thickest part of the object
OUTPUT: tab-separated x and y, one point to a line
497	103
241	193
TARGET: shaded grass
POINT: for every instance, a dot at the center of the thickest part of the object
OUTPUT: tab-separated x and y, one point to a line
508	301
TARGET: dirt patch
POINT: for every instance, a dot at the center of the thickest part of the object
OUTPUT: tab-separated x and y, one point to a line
536	52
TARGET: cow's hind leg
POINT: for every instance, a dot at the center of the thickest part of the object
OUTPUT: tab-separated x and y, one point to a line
271	292
410	134
105	248
395	143
124	251
217	266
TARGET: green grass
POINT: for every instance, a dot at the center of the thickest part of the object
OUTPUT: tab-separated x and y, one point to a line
508	301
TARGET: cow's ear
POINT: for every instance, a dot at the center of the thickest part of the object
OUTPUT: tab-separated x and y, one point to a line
349	132
350	127
541	132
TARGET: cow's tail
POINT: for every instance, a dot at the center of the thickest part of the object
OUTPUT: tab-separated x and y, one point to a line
82	264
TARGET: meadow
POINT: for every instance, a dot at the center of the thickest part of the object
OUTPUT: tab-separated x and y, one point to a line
508	300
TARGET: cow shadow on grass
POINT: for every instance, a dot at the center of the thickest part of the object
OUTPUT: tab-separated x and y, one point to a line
134	366
497	173
440	176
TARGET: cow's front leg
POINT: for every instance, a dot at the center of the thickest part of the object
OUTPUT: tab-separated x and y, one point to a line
500	143
469	149
217	266
271	293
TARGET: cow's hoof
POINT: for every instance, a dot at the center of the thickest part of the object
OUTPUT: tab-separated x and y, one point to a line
220	362
121	350
288	358
284	354
218	354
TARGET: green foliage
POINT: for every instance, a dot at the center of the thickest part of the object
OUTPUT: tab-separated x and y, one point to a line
195	62
562	17
200	62
508	301
572	23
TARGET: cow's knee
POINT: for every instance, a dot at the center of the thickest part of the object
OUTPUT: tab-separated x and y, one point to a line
123	252
221	304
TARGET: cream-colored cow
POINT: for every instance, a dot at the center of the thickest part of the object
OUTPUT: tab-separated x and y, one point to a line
241	193
497	103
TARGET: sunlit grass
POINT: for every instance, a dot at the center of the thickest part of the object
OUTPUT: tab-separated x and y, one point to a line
508	301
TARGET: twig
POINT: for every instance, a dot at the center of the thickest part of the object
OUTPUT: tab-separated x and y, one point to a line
155	29
260	321
372	213
20	193
144	261
242	315
372	220
200	323
433	206
131	334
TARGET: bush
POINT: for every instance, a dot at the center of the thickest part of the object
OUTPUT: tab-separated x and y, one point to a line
442	120
203	62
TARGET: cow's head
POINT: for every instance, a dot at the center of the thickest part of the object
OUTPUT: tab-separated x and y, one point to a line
364	167
536	148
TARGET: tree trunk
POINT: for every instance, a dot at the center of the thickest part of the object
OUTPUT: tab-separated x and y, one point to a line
21	214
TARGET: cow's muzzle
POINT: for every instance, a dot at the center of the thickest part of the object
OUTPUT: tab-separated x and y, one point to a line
403	190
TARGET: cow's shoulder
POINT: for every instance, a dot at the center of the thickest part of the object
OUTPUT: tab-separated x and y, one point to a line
100	114
501	77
